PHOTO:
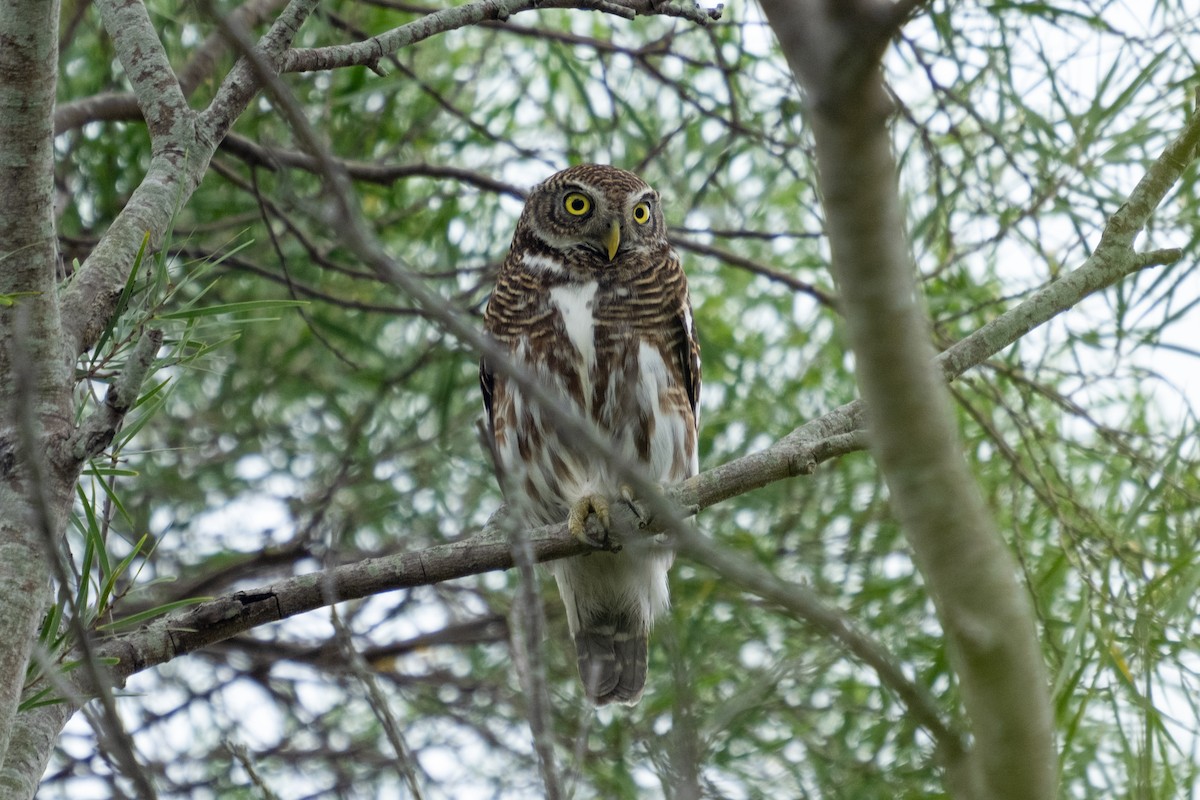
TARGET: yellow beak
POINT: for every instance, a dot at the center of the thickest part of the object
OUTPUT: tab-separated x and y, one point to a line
613	240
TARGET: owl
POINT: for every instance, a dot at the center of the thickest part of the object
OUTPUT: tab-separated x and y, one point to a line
592	301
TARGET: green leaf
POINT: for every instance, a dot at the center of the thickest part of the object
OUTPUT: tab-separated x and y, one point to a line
231	308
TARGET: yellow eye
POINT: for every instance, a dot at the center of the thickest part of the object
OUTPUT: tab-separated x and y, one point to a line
641	213
577	204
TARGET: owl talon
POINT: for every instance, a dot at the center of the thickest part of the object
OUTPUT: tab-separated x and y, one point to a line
577	520
635	505
628	496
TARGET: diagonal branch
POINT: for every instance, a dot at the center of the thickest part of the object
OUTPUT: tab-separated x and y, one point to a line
385	174
1113	260
158	93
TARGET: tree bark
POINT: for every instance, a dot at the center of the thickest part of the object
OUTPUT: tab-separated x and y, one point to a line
834	51
35	390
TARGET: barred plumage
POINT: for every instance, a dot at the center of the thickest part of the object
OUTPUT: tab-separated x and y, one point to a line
593	301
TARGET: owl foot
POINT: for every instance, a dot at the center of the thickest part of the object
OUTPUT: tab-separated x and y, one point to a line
634	505
644	516
577	521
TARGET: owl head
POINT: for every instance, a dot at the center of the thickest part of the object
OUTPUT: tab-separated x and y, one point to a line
592	216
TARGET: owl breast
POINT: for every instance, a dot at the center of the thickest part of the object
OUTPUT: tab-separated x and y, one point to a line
608	371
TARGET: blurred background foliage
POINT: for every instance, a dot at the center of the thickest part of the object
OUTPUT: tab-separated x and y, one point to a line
324	419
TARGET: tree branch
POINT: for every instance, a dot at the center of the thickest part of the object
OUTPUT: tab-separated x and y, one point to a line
147	67
750	265
109	106
1113	260
226	616
806	605
98	430
38	405
834	51
183	144
273	158
369	52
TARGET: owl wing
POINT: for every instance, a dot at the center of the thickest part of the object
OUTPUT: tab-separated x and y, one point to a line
688	355
487	385
687	346
508	315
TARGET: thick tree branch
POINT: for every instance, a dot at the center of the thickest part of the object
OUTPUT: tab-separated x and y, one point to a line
38	406
155	86
834	52
102	107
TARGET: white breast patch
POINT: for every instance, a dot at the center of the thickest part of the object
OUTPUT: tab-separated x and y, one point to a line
574	302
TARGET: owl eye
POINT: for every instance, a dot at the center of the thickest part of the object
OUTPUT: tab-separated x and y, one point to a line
641	213
577	204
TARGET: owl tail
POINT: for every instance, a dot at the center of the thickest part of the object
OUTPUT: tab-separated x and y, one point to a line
611	648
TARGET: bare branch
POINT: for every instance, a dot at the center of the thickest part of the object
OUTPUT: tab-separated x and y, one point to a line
406	764
809	607
103	107
155	86
370	52
750	265
834	53
29	329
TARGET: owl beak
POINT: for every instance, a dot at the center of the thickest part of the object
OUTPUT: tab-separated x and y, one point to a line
613	240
